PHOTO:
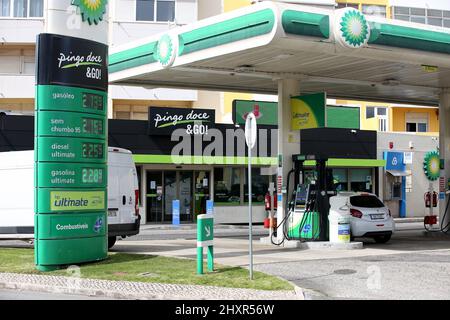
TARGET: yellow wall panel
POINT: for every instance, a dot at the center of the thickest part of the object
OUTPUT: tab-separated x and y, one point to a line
399	117
229	5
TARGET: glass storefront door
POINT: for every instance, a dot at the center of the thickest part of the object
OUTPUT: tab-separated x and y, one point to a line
165	186
186	184
201	192
154	197
170	193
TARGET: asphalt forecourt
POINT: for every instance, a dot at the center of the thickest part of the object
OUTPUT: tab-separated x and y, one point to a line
135	276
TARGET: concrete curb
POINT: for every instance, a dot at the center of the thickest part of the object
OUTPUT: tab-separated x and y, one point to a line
143	291
315	245
408	220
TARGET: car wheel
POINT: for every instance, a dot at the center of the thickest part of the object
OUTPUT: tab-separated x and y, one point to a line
382	239
111	242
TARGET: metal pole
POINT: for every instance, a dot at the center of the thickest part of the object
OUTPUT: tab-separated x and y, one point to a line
250	220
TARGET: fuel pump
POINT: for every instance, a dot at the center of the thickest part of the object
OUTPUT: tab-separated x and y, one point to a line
307	208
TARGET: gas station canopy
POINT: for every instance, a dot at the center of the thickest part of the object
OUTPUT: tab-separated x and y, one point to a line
342	52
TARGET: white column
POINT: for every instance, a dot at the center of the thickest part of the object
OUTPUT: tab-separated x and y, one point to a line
288	143
444	147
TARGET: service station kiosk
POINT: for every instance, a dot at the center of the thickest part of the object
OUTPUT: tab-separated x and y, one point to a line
288	49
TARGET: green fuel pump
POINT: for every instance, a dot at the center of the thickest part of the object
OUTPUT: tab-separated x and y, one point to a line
306	217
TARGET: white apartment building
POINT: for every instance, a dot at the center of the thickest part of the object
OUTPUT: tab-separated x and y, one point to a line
22	20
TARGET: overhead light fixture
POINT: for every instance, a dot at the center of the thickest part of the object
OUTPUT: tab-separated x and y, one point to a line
245	68
391	82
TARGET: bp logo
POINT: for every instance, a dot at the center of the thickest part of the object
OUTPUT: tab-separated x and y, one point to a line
91	10
431	165
167	49
351	28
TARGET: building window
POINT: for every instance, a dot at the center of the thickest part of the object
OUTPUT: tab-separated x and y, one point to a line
416	127
440	18
381	113
5	8
348	5
416	122
155	10
22	8
227	185
370	112
36	8
373	10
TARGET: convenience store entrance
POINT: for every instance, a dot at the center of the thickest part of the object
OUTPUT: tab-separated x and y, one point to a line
192	188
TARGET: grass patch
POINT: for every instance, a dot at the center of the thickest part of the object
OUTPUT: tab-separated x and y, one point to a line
146	268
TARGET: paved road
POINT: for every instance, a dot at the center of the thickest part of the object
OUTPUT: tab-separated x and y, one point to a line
413	265
33	295
422	272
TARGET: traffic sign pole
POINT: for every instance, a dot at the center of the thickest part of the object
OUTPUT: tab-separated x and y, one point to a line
250	139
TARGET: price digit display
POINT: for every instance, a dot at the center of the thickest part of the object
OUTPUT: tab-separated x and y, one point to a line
92	150
93	101
92	175
92	126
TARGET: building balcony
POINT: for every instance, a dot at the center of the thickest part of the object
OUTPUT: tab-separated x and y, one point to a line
13	86
20	30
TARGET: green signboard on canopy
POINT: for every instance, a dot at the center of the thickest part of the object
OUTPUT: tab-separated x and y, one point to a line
308	111
266	112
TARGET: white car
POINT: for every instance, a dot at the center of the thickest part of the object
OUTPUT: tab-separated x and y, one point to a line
369	217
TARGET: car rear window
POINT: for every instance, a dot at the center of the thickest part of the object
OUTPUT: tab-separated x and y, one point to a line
366	202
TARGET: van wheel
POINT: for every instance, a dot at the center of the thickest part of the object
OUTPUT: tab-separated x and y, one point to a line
382	239
111	242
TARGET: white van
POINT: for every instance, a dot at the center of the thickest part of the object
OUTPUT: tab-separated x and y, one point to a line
17	195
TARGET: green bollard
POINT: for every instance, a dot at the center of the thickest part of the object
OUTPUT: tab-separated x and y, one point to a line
205	236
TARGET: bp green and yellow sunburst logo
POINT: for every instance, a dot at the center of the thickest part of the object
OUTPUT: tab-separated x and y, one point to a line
431	165
352	28
91	11
167	50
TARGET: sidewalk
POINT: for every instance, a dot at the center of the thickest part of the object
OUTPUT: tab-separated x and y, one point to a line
137	290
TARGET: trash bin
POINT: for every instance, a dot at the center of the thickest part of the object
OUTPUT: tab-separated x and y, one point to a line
339	220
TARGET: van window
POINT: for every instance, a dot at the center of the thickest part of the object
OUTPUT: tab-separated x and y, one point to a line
366	202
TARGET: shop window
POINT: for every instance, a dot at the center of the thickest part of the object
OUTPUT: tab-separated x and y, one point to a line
340	179
227	186
155	10
361	180
260	185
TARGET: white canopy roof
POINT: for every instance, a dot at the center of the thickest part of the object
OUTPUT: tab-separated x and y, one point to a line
342	52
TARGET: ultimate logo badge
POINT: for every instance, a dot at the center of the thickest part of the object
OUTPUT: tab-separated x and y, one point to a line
351	28
92	11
